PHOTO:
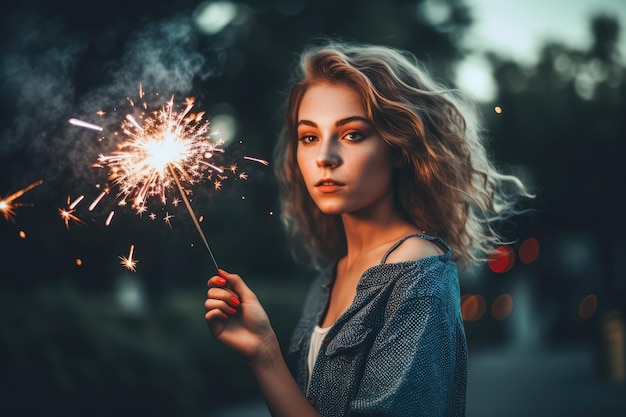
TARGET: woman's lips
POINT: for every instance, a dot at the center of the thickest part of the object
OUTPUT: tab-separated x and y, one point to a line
328	186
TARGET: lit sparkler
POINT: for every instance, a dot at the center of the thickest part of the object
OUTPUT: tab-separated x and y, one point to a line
159	150
164	146
7	205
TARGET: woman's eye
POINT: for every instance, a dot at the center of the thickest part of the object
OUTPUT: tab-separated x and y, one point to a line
307	139
354	136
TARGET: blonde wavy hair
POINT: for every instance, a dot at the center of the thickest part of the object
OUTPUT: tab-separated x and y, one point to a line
446	184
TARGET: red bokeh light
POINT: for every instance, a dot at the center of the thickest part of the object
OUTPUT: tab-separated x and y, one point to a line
473	306
529	250
502	306
502	259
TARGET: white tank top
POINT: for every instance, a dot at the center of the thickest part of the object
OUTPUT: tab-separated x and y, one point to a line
317	337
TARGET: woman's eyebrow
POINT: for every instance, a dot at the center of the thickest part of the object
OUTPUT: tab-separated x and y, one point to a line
338	122
351	119
307	123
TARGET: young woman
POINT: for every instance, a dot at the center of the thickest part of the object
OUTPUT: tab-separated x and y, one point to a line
387	184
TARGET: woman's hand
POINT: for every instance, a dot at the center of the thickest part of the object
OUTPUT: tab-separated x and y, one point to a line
237	319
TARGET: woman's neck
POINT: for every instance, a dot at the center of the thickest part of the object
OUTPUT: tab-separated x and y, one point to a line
373	232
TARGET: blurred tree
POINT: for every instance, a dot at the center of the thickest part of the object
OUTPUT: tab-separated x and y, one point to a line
249	57
563	119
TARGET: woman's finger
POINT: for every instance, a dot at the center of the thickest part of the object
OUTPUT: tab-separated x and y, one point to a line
216	304
223	294
215	316
237	284
216	281
217	284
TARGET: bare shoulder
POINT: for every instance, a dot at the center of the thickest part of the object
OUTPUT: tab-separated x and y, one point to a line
414	248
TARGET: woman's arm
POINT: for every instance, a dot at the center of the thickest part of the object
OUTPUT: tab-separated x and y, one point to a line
237	319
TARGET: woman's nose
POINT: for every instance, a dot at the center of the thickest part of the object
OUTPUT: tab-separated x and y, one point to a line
328	156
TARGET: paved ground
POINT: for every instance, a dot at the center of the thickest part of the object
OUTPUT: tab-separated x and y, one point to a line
541	383
522	382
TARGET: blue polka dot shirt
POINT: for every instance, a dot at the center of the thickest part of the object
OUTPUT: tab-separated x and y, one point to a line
400	348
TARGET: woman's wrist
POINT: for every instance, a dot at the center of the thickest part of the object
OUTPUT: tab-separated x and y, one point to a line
267	355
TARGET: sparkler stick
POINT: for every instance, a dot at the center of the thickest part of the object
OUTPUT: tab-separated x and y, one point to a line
191	213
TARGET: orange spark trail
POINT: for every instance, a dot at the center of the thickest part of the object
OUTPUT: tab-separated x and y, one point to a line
260	161
96	201
129	263
7	205
81	123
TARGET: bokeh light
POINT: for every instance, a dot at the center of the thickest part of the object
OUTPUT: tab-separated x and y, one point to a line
212	17
225	126
502	306
79	262
474	76
498	109
22	234
529	251
588	306
502	259
473	307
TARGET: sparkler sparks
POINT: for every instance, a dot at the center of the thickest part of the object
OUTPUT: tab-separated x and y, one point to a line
68	214
260	161
165	145
109	218
129	263
159	148
81	123
7	205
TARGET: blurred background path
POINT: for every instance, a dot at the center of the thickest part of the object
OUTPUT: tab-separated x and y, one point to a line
516	382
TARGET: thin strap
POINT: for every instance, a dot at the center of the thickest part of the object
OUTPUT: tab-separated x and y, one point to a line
399	242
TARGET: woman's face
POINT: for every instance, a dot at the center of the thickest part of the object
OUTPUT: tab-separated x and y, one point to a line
345	164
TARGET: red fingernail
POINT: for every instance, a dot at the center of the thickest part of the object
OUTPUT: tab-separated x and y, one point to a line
225	315
221	272
220	281
232	310
235	301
